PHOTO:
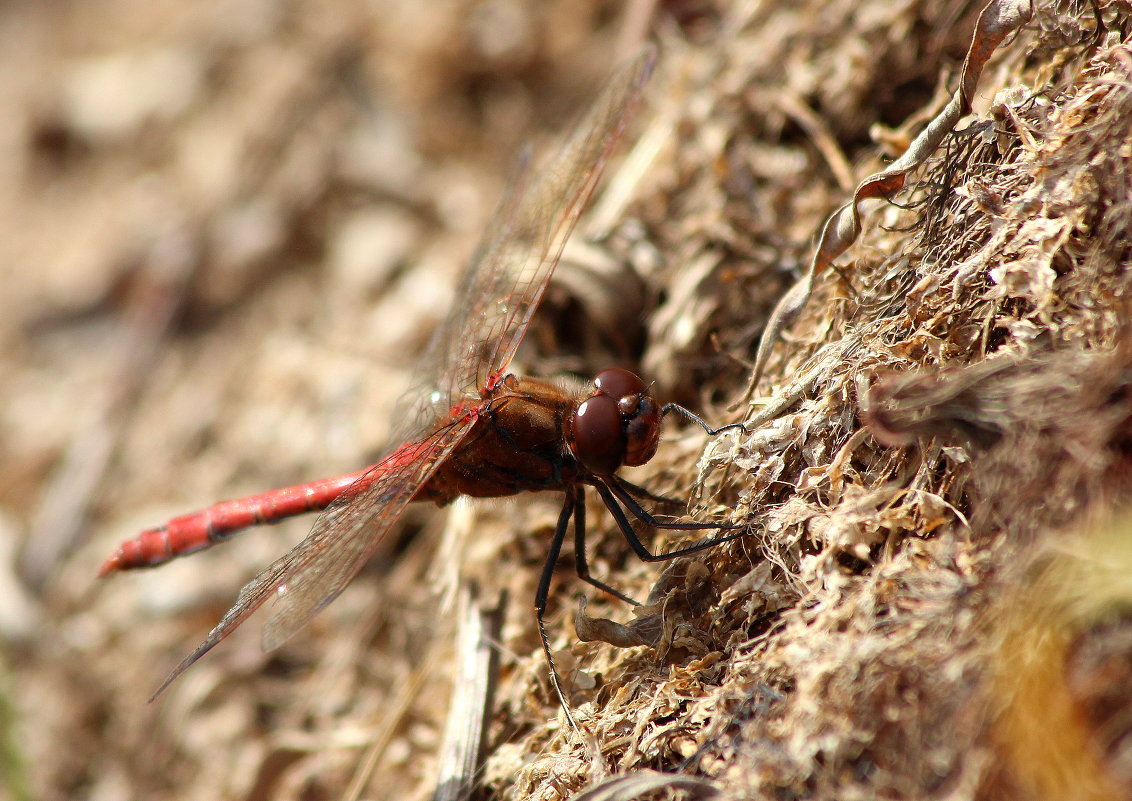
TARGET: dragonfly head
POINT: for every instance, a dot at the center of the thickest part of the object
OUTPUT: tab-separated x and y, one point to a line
617	425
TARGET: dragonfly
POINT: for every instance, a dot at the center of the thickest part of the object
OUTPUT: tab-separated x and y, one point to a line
472	427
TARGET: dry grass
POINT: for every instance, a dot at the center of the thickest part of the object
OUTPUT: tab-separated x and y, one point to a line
223	226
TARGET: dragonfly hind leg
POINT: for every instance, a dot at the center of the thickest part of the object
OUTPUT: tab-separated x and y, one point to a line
613	495
570	508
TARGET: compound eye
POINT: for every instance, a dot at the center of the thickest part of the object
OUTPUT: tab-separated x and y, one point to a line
598	439
642	432
617	382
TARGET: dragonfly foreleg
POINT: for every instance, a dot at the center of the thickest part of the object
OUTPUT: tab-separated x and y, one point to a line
695	418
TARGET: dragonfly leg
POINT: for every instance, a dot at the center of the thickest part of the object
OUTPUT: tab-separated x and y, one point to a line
580	563
611	493
695	418
643	492
574	506
569	508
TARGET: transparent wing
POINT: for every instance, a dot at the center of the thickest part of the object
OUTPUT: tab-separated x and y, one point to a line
345	536
498	294
512	266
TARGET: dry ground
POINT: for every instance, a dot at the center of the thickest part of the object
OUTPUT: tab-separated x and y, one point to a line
225	227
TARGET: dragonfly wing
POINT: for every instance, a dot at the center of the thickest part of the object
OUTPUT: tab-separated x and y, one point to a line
501	288
345	536
511	268
444	366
